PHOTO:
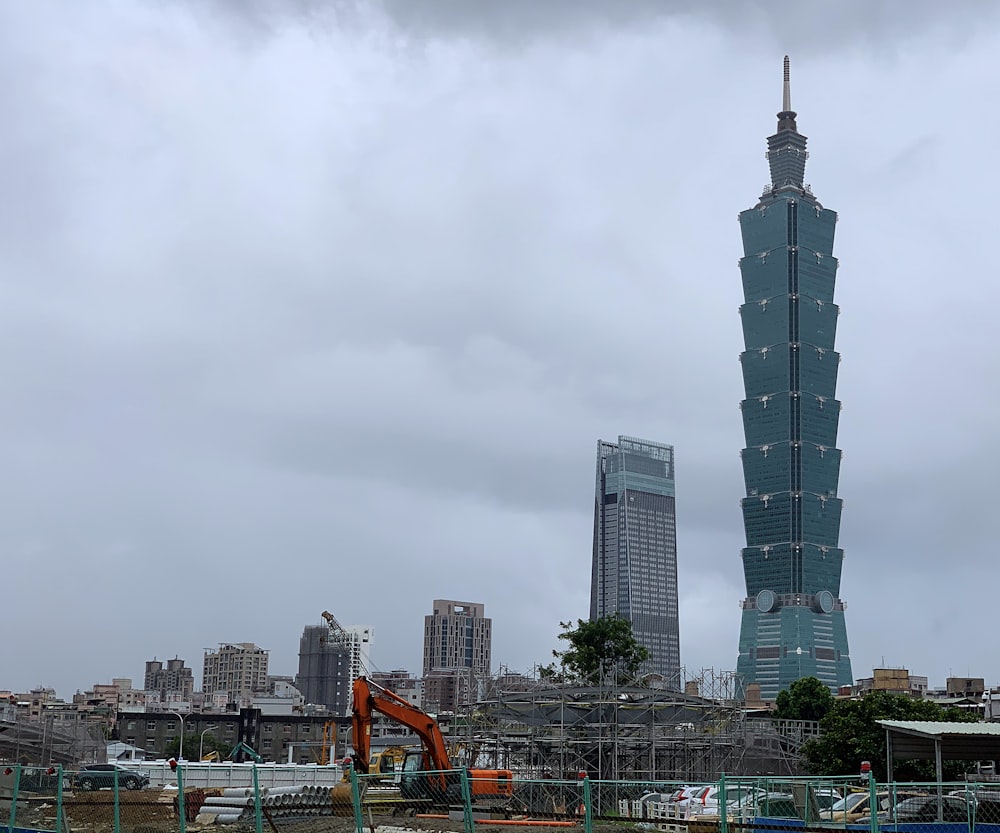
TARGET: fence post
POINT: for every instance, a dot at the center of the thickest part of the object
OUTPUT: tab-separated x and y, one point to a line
181	810
258	815
872	804
469	821
588	811
11	819
59	798
116	811
723	814
359	822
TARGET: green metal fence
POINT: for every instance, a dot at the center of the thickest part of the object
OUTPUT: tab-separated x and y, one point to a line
112	799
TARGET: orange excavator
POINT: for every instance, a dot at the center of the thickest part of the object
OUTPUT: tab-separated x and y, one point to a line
427	772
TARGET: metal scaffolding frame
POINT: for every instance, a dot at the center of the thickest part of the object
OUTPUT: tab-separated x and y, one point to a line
622	732
44	742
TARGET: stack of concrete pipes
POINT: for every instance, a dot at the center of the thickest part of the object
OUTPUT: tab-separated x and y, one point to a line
237	803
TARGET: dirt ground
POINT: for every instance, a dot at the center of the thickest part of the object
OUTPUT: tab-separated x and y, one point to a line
153	811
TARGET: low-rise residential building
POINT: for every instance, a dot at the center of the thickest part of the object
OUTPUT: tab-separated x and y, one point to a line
274	737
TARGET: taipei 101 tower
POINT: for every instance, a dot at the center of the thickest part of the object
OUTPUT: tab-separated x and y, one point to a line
792	617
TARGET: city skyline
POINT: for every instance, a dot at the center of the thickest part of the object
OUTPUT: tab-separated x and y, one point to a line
793	623
341	305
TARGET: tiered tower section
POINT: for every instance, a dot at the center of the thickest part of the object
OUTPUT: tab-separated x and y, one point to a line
793	618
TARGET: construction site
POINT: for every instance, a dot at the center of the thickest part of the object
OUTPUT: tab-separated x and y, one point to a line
625	732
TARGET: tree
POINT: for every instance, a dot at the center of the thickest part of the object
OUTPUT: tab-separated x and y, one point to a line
805	699
193	743
597	647
851	734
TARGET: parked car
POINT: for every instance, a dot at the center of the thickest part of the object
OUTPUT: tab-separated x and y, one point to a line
769	805
924	808
855	806
825	797
705	802
98	776
986	803
679	804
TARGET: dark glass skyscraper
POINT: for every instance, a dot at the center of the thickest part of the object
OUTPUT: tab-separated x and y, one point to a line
793	618
634	570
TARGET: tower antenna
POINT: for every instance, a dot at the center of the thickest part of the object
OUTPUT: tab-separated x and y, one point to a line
786	97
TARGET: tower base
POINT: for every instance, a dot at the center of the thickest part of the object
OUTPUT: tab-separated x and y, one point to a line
794	641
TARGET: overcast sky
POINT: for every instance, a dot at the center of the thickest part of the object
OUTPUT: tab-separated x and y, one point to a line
324	305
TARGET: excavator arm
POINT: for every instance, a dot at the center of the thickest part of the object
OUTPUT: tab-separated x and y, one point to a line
438	772
369	698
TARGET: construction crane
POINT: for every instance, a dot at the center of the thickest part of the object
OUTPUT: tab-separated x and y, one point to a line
337	632
340	636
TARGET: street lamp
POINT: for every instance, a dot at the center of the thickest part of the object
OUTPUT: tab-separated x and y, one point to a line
201	743
180	749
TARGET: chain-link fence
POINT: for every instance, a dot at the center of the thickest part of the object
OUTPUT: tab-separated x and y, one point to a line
109	798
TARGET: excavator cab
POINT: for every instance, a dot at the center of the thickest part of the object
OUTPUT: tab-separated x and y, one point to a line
415	782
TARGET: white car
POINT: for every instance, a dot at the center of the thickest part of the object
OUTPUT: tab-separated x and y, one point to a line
679	804
706	801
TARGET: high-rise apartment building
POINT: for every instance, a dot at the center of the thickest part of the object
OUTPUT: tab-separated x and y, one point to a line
793	619
458	635
174	681
328	665
238	669
358	641
634	568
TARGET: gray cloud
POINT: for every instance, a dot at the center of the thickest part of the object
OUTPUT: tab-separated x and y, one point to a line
303	313
875	26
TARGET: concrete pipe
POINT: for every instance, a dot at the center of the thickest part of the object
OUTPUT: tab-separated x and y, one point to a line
222	801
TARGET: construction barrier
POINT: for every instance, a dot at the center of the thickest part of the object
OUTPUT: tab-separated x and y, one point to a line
116	799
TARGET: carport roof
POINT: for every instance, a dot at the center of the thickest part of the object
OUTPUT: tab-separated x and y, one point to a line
959	741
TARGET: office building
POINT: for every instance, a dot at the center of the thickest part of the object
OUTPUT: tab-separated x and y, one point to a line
792	617
239	670
634	568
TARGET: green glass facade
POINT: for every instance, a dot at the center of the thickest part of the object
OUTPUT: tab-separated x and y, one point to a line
792	617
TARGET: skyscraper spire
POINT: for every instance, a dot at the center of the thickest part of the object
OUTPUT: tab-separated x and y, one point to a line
786	118
786	97
786	149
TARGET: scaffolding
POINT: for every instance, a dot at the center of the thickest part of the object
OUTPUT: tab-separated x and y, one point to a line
621	732
44	742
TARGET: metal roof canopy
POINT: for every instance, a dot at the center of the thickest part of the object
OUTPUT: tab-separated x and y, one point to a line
937	740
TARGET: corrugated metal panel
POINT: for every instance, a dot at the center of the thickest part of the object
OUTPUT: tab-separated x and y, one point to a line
934	728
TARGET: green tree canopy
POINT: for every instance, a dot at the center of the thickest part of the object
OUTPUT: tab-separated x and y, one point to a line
597	648
850	734
805	699
193	743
